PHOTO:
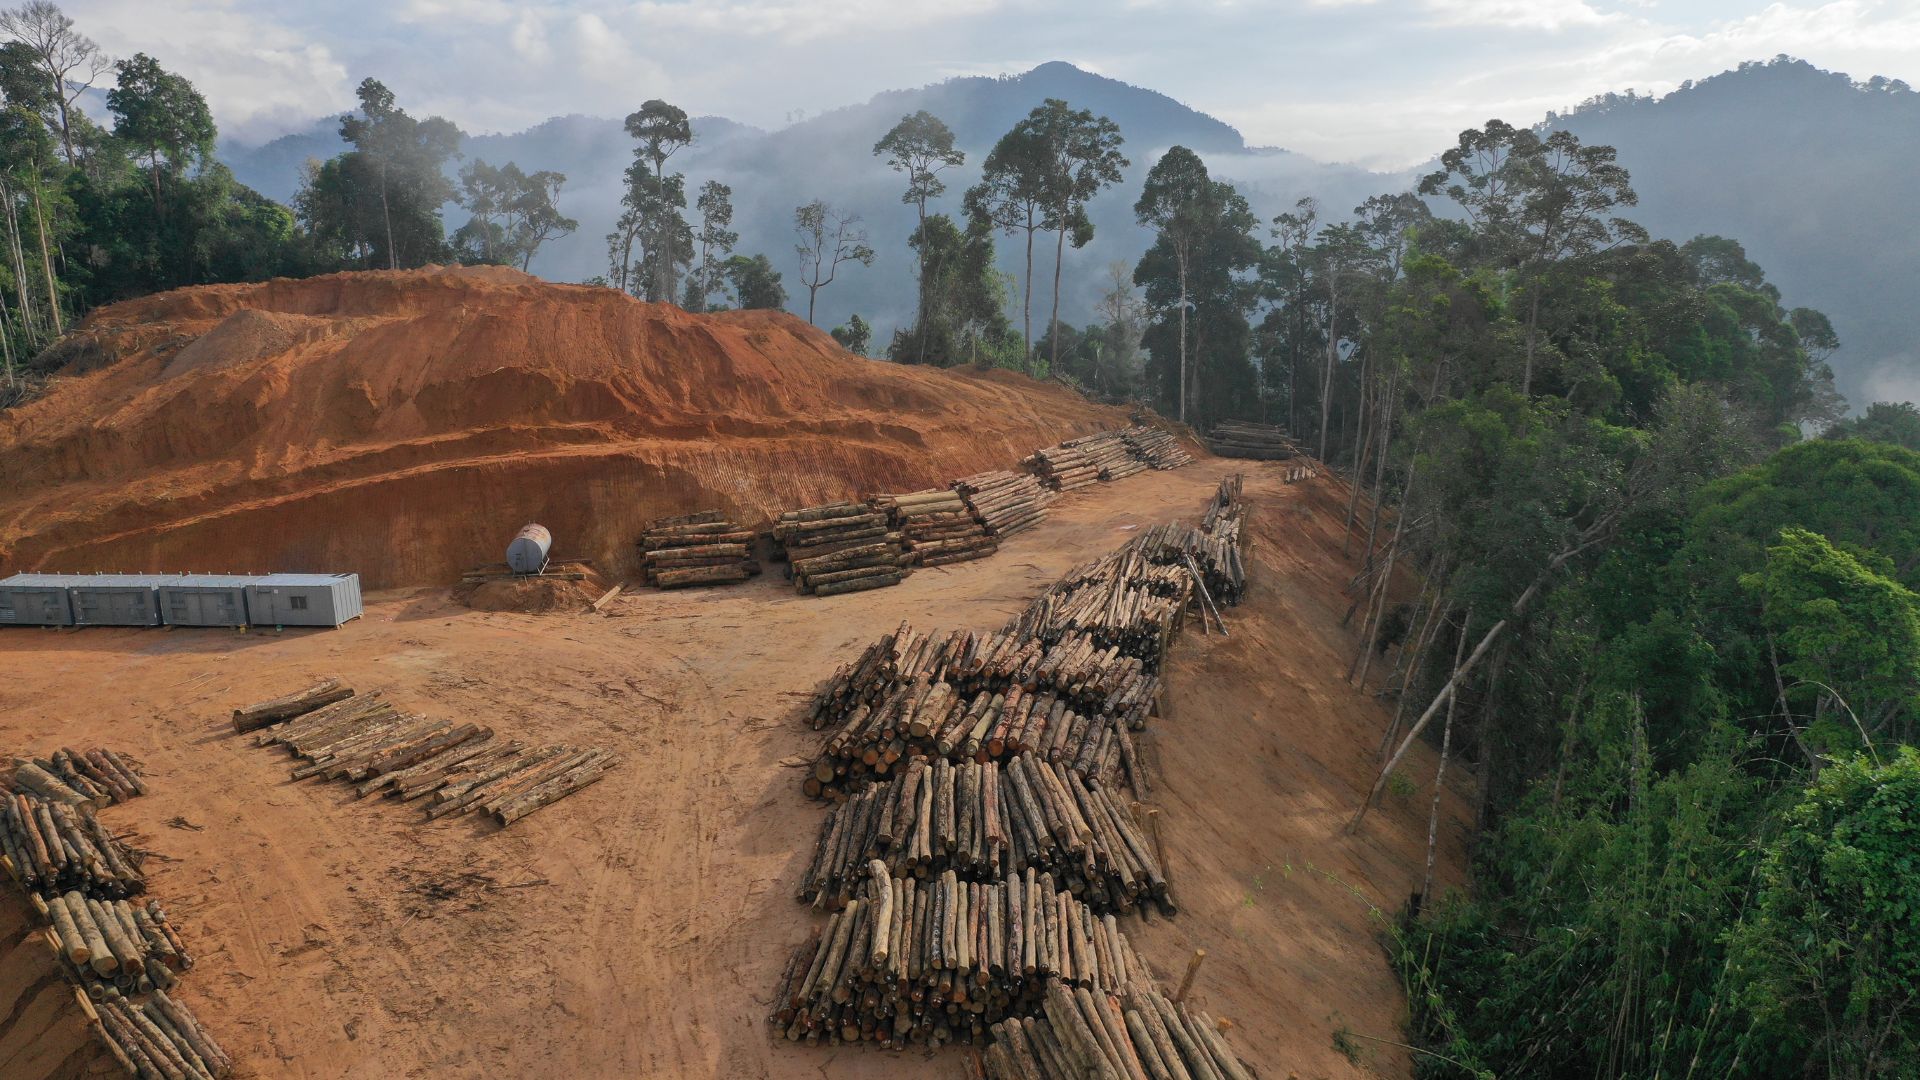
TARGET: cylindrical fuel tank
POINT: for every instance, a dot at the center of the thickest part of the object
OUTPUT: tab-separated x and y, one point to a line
528	552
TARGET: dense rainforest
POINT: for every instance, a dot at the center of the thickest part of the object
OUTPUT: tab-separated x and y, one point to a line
1623	558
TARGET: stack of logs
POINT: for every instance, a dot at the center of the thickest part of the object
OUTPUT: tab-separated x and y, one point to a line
696	549
1063	468
1243	439
938	527
366	741
984	821
1135	1033
1156	447
1110	453
1216	556
98	777
78	878
114	945
934	961
1122	600
840	548
1005	502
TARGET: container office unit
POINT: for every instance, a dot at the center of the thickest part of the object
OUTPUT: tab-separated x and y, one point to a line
303	599
117	599
36	600
205	600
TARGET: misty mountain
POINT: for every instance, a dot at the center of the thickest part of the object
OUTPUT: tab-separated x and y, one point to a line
1815	174
1811	171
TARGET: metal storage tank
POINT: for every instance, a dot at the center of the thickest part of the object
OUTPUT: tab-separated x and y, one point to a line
37	600
303	599
528	552
205	600
117	599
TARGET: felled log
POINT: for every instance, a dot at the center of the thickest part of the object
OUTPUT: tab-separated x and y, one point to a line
1157	448
1244	439
262	713
60	847
1005	502
160	1039
698	549
556	788
1134	1033
936	526
1109	453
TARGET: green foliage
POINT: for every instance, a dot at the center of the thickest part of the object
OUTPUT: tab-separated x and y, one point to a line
1894	422
755	283
513	213
964	317
1828	963
854	336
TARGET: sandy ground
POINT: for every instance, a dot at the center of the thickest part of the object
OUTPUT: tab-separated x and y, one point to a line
636	928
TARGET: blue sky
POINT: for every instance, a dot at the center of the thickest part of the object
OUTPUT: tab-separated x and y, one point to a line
1385	83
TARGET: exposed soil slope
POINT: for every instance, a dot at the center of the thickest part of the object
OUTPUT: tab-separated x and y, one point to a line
636	929
403	425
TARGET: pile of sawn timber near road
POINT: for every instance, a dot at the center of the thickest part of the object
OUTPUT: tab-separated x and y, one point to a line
454	768
840	548
1244	439
937	527
696	549
119	954
979	855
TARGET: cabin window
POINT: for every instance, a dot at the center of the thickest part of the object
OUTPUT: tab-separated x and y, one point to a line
297	603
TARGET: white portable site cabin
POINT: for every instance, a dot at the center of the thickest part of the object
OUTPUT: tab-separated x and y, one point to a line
117	599
205	600
303	599
37	599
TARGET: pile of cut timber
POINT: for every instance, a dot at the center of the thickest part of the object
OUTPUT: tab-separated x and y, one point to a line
1243	439
1121	600
1217	557
934	961
57	847
114	945
1063	468
938	526
78	878
160	1040
1157	448
99	777
983	822
1005	502
368	742
696	549
1135	1032
840	548
1110	453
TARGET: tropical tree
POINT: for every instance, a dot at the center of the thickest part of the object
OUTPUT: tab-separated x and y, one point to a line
1081	158
716	241
921	147
391	187
756	284
662	130
68	59
827	238
1013	195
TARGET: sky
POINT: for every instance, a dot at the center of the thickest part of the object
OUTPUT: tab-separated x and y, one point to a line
1381	83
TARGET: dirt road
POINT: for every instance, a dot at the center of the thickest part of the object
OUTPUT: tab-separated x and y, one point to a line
636	928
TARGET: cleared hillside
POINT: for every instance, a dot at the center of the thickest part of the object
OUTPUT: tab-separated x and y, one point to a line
403	425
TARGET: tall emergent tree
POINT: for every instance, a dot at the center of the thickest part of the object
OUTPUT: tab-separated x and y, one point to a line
1081	158
921	147
379	204
662	130
69	60
513	213
828	237
162	117
1013	195
716	241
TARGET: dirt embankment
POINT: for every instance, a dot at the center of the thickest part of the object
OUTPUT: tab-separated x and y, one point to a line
402	425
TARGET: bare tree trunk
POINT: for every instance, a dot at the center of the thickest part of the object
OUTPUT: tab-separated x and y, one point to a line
1183	339
1333	354
386	216
29	323
1026	303
1533	329
1440	776
1489	738
1429	630
46	263
1386	582
1387	412
1362	452
1059	257
921	272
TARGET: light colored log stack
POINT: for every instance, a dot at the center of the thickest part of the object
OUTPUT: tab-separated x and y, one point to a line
911	962
1063	468
96	777
1159	449
696	549
1244	439
113	946
840	548
984	821
1122	600
1006	502
937	526
1134	1033
56	847
1109	452
160	1040
461	767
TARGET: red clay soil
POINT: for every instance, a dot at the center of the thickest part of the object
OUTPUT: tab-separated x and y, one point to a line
636	929
403	425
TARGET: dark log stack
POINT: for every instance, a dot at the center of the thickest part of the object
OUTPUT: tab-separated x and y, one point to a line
1006	502
1135	1033
984	821
1063	468
1242	439
366	741
839	548
696	549
1110	453
1157	448
56	847
96	777
941	960
937	526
